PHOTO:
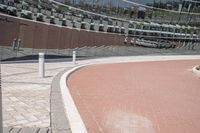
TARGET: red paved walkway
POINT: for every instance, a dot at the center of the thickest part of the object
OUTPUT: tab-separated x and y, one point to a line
148	97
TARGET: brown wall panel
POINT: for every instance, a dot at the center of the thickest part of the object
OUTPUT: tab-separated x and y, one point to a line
10	30
129	41
105	38
2	31
83	38
69	38
26	33
91	39
80	38
40	36
121	40
87	39
64	42
110	39
74	38
65	38
115	39
118	40
43	36
99	39
53	37
94	35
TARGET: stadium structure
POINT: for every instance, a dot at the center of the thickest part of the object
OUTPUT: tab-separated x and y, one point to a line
84	91
98	28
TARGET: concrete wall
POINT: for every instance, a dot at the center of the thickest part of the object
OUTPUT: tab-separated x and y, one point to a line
46	36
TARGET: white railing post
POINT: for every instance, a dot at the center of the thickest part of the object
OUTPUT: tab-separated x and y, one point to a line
41	65
74	57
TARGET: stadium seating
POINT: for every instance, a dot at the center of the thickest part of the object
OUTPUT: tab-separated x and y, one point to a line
85	20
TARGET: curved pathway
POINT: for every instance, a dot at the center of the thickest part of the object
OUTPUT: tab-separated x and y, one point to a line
140	97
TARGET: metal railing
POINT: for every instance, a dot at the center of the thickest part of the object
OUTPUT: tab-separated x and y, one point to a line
8	54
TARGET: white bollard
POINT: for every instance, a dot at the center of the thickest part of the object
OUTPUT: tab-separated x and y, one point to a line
74	57
41	65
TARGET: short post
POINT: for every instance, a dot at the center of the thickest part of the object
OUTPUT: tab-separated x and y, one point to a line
74	57
41	65
14	44
18	44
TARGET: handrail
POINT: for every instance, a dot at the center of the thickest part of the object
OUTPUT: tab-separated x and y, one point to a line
160	37
92	13
106	16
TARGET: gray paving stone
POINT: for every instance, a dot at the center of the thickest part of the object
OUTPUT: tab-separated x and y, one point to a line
29	130
25	96
6	129
59	121
15	130
44	130
61	131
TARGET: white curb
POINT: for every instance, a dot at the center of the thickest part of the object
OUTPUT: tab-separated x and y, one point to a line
75	121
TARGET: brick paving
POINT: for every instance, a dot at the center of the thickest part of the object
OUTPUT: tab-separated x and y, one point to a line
26	130
26	97
142	97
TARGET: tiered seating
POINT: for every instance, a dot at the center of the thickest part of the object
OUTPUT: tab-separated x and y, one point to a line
76	18
67	18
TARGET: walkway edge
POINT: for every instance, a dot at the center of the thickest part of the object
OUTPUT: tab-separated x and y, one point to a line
58	118
75	121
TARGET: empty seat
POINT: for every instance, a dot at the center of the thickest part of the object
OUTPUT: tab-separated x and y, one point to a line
122	29
117	28
3	8
92	24
110	27
63	19
11	9
130	31
83	25
26	13
40	17
73	23
101	26
64	22
52	20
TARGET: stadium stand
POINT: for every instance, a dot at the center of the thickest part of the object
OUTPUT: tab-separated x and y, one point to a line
55	27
